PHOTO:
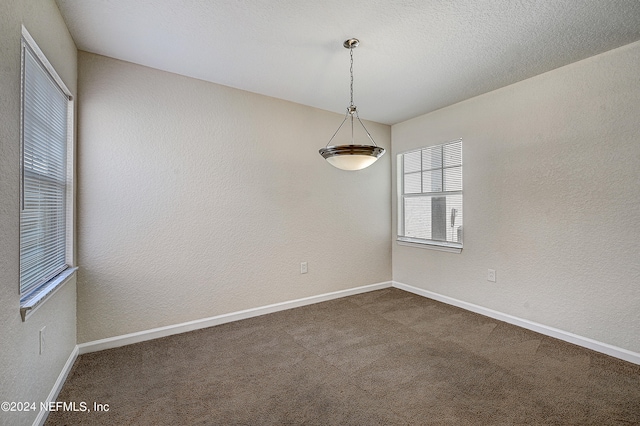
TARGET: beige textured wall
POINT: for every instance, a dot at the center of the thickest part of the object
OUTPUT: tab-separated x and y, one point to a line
197	200
24	374
551	199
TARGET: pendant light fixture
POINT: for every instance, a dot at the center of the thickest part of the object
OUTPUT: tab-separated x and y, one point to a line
352	156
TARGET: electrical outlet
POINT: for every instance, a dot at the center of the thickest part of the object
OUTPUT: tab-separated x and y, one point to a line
303	268
491	275
42	340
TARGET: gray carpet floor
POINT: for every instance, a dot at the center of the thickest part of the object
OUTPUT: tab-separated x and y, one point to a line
381	358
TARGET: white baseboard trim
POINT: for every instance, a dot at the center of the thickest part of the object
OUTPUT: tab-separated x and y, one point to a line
155	333
57	386
566	336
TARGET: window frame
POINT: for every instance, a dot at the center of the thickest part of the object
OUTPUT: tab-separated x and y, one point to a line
401	238
31	298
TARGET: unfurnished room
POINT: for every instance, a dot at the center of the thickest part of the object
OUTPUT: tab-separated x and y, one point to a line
292	212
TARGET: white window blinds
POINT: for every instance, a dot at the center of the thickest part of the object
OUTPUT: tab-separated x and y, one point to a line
43	222
430	195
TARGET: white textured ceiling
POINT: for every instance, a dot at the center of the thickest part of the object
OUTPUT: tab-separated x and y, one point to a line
415	56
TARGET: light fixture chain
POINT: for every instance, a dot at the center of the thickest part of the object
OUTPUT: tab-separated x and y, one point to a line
351	72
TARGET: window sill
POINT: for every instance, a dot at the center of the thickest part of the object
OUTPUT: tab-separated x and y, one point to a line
431	246
35	300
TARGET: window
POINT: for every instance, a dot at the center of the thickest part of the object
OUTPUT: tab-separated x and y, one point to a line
430	196
46	187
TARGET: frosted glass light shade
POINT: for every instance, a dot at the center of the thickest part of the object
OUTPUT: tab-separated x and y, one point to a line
351	157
